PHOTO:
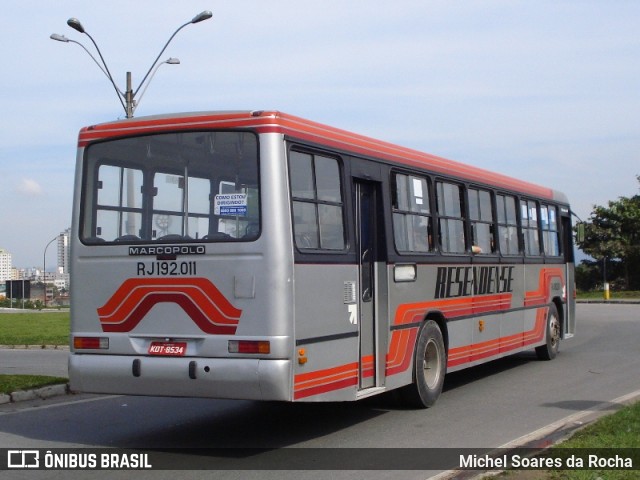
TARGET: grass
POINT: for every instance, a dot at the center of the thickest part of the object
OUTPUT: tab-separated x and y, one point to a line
613	295
618	431
12	383
34	328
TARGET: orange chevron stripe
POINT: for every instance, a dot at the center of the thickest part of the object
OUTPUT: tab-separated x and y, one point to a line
401	350
198	297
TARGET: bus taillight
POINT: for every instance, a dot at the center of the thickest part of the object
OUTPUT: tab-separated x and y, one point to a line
249	346
90	343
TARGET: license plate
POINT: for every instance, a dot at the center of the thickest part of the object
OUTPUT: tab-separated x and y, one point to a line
171	349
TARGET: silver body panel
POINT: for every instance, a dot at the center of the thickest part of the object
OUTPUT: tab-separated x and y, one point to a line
254	277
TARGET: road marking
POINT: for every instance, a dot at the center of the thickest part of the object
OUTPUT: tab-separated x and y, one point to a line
576	420
16	405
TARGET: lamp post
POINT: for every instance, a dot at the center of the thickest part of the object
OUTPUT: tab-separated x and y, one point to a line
44	269
63	39
169	61
127	98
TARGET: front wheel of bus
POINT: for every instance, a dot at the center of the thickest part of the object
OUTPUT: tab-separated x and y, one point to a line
429	368
549	350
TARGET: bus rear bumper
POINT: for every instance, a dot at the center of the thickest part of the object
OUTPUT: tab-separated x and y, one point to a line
238	378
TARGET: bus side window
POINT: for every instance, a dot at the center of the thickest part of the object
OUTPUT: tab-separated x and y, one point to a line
550	230
317	202
482	222
529	211
450	218
411	214
507	225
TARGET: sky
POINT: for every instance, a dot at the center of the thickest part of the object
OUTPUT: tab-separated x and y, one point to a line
546	91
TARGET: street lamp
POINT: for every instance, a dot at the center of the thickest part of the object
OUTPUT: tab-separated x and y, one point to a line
44	269
127	98
62	38
169	61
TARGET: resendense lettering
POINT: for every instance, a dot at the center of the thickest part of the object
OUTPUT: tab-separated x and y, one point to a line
454	282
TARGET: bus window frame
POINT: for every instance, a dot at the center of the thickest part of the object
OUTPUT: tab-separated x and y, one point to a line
321	255
510	257
464	212
558	231
531	258
494	254
431	215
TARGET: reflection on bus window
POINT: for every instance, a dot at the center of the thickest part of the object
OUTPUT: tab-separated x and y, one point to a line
119	198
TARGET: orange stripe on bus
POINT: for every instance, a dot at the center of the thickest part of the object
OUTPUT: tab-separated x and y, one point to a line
477	351
541	295
278	122
453	307
326	380
401	350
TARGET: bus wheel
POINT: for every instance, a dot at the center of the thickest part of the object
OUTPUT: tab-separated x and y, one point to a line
429	368
549	350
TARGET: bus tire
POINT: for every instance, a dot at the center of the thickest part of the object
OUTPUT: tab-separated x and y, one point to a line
430	365
549	350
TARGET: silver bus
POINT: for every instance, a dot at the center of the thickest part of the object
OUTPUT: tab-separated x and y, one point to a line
258	255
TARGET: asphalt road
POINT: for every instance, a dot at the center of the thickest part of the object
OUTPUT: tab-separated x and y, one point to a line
487	406
34	362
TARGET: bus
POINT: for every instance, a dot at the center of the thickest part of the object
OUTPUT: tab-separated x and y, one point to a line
258	255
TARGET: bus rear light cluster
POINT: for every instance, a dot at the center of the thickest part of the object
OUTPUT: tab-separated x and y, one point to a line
249	346
90	343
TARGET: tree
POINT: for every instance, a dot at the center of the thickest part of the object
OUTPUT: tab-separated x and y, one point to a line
613	233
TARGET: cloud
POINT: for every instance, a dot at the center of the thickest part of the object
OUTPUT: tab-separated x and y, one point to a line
29	187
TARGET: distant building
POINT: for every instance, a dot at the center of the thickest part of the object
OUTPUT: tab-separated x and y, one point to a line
6	267
63	251
20	274
59	278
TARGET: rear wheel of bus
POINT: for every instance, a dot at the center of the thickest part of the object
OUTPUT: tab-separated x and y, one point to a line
430	365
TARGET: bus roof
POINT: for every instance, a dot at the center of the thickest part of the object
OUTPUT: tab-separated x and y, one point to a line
263	121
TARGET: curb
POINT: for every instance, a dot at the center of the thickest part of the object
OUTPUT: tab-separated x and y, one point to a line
41	393
37	393
629	301
35	347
